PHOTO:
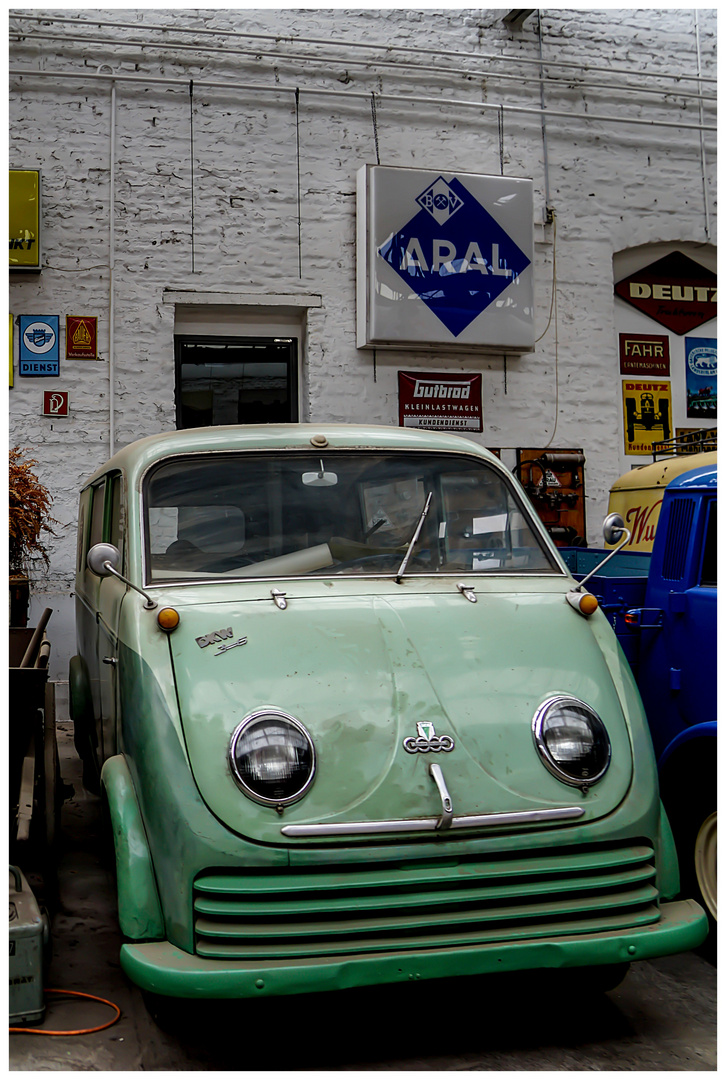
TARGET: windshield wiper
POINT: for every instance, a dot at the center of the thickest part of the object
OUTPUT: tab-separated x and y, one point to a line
414	538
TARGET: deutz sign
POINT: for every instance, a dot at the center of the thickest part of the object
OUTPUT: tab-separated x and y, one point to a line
675	291
444	259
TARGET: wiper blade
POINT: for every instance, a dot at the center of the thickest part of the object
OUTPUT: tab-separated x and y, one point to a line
414	538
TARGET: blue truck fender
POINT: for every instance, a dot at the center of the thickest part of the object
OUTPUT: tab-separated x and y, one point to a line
697	731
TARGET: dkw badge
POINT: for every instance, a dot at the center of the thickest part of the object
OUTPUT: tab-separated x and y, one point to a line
427	741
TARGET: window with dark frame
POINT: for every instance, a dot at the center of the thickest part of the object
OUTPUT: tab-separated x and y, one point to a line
709	562
229	380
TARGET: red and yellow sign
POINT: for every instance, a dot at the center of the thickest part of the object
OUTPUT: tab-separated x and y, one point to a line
81	336
647	414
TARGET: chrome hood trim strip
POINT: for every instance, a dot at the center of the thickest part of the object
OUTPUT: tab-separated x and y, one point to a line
471	821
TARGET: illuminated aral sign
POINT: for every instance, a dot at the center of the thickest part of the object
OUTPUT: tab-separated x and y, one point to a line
675	291
24	219
444	258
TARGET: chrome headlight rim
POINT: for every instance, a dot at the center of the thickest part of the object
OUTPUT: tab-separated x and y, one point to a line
548	760
273	714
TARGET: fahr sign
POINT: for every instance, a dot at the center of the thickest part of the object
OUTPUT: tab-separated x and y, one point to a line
444	259
675	291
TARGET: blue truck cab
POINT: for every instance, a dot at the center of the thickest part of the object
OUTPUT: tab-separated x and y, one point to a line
663	608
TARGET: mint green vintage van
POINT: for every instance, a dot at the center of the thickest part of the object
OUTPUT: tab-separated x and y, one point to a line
354	721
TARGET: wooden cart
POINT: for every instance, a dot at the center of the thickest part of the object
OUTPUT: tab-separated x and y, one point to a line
34	780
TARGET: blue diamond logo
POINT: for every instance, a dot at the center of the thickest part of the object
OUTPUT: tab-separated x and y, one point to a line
454	255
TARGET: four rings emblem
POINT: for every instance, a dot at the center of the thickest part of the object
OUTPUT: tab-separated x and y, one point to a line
427	740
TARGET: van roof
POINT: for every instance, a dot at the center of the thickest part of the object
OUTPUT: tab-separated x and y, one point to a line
136	457
658	474
705	476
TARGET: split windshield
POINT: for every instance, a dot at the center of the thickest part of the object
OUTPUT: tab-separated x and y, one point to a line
289	514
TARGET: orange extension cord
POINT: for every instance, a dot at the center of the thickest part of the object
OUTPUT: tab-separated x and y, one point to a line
81	1031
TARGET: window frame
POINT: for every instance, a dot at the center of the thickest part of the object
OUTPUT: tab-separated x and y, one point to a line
238	339
709	537
538	531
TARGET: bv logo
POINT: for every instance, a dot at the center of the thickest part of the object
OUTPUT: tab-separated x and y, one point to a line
440	201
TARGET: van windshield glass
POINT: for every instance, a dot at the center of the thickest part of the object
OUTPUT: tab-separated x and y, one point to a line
289	514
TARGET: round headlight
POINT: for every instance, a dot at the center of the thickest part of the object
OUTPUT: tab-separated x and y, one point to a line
572	741
272	758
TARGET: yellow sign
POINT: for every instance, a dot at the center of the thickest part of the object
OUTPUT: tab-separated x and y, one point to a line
647	414
24	219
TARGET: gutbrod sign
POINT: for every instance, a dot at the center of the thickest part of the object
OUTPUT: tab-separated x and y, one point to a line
440	401
444	258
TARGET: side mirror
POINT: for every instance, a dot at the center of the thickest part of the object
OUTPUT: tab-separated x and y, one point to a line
104	561
99	556
614	532
613	528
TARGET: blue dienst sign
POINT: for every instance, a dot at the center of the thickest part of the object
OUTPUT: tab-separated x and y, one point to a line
39	345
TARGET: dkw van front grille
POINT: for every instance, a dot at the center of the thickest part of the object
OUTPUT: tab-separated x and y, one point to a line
367	908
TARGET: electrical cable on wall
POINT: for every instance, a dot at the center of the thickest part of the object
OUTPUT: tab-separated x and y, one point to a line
299	200
677	76
553	311
419	101
374	118
191	155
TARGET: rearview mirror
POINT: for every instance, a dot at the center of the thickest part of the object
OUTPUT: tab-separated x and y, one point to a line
101	554
104	561
320	478
613	528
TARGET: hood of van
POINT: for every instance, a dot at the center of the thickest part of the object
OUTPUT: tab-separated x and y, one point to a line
360	673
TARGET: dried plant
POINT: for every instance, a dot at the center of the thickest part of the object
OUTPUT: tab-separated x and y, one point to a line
29	514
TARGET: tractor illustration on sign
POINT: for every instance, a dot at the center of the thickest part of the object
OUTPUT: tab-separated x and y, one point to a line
648	417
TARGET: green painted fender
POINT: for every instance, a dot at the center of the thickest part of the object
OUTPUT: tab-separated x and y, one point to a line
139	909
669	881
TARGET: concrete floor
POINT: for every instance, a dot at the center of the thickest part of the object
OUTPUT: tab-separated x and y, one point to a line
662	1017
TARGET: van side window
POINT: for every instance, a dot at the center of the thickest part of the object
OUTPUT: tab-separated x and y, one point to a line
82	544
708	566
97	508
116	524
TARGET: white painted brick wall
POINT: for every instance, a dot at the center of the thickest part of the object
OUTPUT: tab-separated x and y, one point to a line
612	186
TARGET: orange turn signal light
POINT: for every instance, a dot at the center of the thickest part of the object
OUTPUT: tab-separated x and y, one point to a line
584	602
588	604
168	618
